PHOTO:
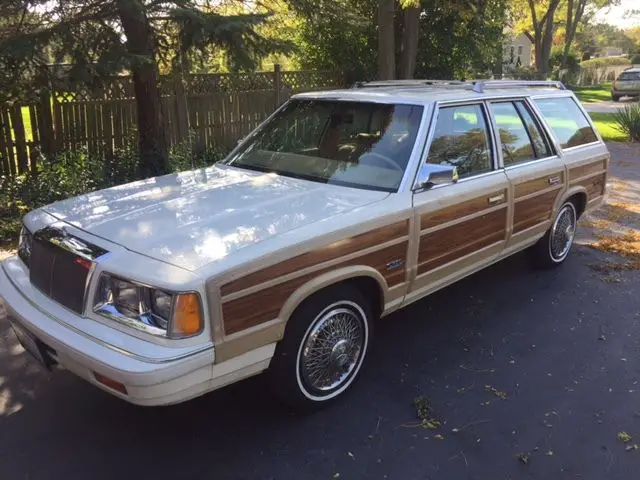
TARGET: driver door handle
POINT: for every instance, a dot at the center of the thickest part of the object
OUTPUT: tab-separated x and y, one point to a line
496	199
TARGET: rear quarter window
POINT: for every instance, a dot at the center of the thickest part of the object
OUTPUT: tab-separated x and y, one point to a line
567	121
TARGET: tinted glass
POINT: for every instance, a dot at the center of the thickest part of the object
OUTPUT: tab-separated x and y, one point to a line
629	76
567	121
538	138
516	144
357	144
461	139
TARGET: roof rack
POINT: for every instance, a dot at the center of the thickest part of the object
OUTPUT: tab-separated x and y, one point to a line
477	86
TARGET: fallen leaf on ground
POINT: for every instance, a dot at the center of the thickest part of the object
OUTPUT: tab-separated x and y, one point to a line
625	437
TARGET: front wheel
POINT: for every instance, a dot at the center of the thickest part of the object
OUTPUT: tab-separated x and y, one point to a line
324	347
615	98
552	249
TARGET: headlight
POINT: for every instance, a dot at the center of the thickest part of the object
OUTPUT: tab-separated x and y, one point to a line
24	246
149	309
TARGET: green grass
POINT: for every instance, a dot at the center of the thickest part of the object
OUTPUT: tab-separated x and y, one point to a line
605	124
593	94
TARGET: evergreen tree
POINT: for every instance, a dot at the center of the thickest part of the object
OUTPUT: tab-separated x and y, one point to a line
99	38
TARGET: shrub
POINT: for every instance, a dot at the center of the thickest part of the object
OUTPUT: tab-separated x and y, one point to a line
635	59
604	62
628	121
523	73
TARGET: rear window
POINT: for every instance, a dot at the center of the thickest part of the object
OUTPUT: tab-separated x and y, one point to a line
629	76
567	121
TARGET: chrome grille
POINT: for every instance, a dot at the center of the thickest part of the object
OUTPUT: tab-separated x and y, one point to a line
60	265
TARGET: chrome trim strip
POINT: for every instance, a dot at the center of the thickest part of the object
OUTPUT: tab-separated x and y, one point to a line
531	162
100	342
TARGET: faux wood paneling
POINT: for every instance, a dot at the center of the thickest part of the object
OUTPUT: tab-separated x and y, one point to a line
531	186
584	170
264	305
595	186
533	211
446	245
315	257
459	210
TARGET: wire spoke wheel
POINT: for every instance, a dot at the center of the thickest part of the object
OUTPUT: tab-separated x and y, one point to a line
562	233
332	349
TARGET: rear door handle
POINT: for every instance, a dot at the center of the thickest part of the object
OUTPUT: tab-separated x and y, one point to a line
554	180
496	199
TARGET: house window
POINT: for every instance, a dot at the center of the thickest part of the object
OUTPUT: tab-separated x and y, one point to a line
520	49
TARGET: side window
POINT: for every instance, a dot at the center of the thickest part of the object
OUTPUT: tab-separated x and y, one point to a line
520	136
538	138
461	139
516	144
567	121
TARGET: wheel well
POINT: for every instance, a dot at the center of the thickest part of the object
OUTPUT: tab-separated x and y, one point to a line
371	290
579	201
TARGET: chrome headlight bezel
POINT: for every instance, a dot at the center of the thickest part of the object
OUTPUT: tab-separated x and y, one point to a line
25	244
138	311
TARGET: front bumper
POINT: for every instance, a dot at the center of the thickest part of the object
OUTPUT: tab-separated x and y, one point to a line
152	374
625	93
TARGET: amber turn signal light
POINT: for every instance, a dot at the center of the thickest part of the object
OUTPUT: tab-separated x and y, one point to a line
110	383
187	315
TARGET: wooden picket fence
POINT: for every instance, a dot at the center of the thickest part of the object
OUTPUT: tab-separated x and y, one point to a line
213	111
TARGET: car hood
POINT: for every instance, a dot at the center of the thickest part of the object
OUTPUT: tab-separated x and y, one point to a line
194	218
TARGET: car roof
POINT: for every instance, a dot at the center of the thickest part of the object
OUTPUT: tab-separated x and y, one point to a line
418	92
632	70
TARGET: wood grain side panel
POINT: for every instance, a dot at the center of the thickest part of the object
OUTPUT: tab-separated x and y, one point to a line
588	169
446	245
329	252
262	306
531	186
533	211
459	210
594	185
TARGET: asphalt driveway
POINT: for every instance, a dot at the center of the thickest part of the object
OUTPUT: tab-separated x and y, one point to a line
531	375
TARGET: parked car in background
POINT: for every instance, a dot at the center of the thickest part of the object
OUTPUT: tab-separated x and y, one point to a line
627	84
341	208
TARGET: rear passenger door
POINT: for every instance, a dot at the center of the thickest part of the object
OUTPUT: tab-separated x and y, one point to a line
459	227
536	172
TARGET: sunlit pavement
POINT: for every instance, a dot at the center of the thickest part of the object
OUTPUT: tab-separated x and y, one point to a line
608	106
514	361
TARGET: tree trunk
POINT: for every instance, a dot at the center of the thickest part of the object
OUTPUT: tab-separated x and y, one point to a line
386	40
573	20
543	35
409	42
151	131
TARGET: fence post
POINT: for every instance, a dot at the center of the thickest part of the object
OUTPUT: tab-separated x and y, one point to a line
182	112
277	83
45	125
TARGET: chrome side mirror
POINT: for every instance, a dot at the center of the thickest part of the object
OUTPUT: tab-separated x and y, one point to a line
430	175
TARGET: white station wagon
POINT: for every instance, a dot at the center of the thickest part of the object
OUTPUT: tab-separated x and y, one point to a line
341	208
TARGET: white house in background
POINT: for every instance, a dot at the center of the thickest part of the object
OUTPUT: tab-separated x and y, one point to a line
518	51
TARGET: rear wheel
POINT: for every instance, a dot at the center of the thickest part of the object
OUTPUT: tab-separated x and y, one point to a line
324	347
553	249
615	98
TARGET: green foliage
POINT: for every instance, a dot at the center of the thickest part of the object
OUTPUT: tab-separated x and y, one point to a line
457	39
635	59
604	62
627	121
525	73
593	94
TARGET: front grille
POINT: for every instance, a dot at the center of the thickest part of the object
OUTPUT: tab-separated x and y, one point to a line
60	265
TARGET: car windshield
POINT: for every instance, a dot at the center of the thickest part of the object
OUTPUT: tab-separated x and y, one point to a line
629	76
356	144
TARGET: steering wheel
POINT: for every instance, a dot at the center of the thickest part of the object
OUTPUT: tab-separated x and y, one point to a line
385	159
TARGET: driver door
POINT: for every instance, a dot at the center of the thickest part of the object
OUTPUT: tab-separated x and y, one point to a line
462	226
